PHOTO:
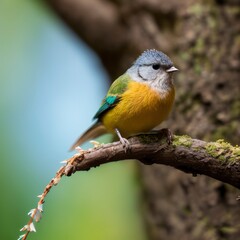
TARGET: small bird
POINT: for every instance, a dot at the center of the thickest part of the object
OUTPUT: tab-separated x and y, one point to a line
137	101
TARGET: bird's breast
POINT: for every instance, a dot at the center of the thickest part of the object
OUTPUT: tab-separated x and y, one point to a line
140	109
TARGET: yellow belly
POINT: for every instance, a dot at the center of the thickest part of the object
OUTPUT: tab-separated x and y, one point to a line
140	109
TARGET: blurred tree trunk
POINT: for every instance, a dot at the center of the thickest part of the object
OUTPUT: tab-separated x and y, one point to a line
202	38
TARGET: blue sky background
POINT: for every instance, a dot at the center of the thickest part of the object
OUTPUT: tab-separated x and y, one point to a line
51	84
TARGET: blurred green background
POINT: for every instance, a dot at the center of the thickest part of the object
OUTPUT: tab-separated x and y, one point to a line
51	84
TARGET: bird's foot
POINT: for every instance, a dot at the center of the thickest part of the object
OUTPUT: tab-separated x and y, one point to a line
125	143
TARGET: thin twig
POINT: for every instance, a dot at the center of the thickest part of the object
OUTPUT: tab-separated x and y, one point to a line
36	213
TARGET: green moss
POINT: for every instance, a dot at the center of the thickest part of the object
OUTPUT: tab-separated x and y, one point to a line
183	140
223	151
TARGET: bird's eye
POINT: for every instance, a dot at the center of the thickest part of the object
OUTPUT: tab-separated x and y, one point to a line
156	66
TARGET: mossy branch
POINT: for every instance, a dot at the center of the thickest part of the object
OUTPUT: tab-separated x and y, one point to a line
219	160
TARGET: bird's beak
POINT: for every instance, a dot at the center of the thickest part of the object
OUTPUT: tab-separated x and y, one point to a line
172	69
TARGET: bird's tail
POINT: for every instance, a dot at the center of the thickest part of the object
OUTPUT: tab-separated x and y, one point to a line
94	131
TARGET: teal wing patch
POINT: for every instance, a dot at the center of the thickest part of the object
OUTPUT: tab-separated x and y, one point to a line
107	104
114	95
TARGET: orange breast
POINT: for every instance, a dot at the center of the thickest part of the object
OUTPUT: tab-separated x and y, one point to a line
140	109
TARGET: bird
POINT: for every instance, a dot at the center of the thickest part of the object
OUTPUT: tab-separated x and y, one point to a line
137	101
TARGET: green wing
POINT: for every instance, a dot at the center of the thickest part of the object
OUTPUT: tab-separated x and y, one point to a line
113	96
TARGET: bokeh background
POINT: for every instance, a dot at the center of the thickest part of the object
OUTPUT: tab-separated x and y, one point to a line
51	84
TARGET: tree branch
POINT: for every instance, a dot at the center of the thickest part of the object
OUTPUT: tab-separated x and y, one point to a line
218	160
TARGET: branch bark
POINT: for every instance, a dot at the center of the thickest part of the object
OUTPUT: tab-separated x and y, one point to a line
218	160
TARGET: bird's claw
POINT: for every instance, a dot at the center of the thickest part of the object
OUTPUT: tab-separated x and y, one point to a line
125	143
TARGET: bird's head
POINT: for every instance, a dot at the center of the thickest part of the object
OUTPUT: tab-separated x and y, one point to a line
154	68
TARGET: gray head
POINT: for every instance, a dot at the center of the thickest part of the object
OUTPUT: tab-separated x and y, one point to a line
154	68
152	56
